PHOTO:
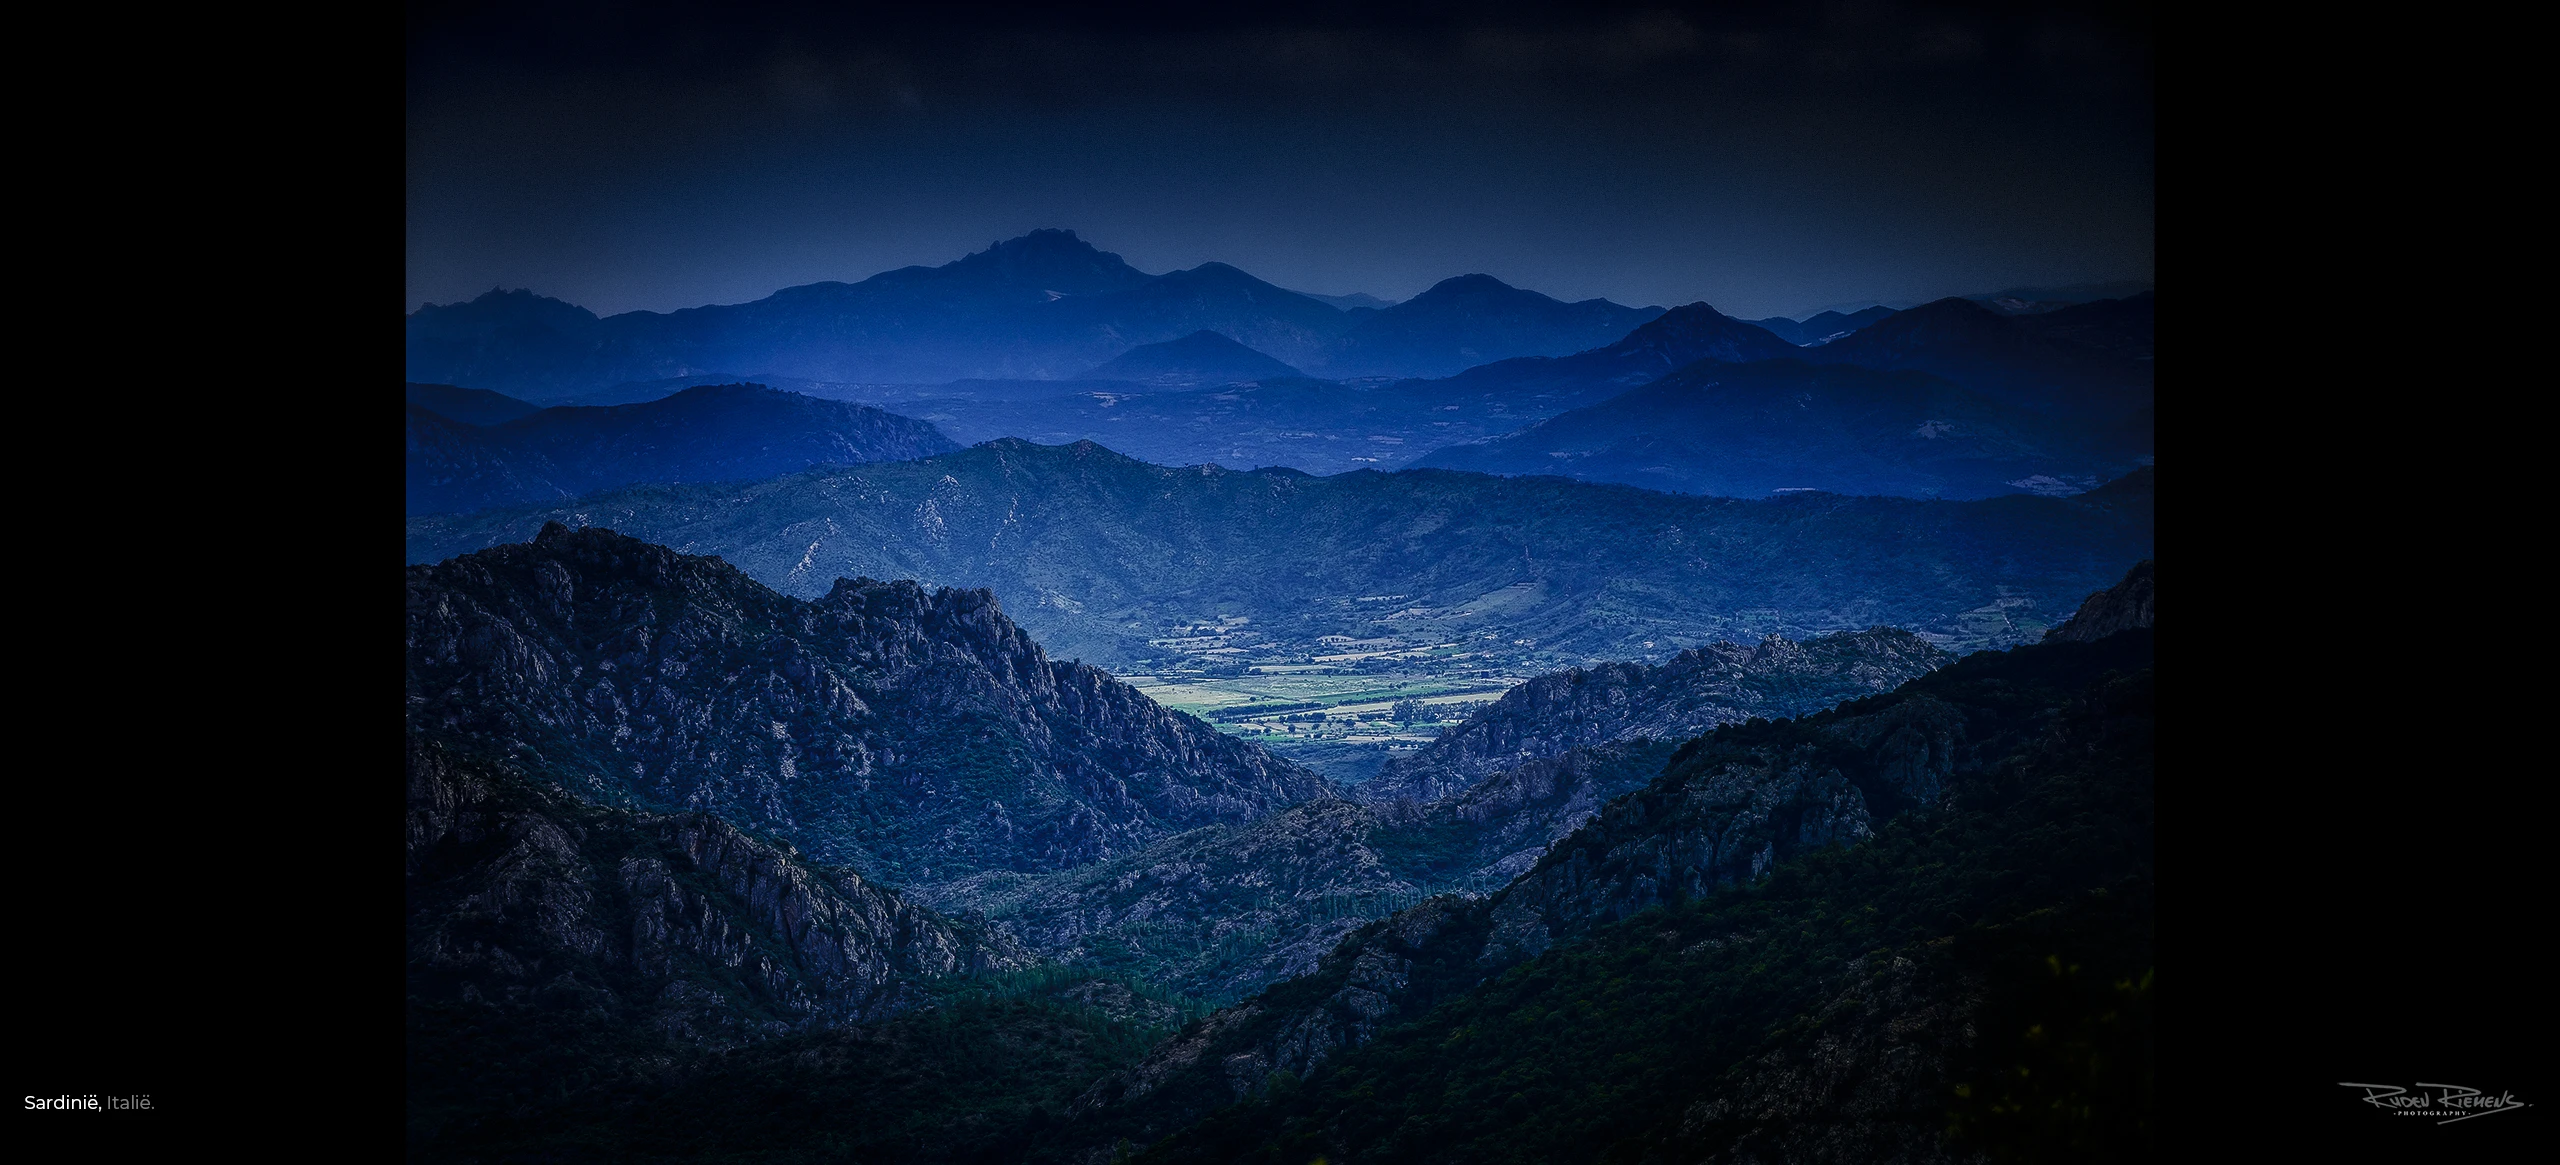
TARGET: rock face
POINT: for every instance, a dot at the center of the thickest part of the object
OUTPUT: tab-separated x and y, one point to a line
1725	813
2121	607
1224	911
1697	690
1860	1074
918	736
519	896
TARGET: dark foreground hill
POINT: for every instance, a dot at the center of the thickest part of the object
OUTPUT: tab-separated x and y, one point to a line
578	974
910	734
1096	553
1225	910
712	433
1916	928
1745	430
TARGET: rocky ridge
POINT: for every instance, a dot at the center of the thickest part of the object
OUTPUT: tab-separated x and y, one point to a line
1729	808
2121	607
1698	689
682	923
919	736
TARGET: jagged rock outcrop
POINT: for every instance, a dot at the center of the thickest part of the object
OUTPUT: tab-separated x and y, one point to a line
919	736
1698	689
520	896
1848	1079
1222	912
2121	607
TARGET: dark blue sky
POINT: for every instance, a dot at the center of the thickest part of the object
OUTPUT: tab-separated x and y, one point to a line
1765	158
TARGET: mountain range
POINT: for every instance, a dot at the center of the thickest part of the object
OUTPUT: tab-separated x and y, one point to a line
1747	430
711	433
1821	327
1097	553
1918	921
1326	427
2039	404
2031	362
1916	927
1044	306
1714	740
913	735
1226	910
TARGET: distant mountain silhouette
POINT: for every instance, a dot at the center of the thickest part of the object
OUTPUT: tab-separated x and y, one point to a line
2014	360
1331	426
2037	300
1354	301
713	433
471	406
1816	329
1747	430
1676	338
1044	306
2118	327
1202	357
1472	320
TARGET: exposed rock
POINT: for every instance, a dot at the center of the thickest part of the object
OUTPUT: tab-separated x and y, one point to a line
1723	683
1727	808
920	736
518	894
2121	607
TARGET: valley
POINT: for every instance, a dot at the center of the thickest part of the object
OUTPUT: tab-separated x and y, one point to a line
1055	714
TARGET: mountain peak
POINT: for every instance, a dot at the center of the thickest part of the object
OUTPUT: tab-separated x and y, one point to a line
1469	285
1203	357
1049	260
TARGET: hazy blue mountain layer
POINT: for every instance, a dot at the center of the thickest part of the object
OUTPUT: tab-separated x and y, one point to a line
1096	553
711	433
1044	306
2016	360
1475	319
1821	327
471	406
1746	430
1199	358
